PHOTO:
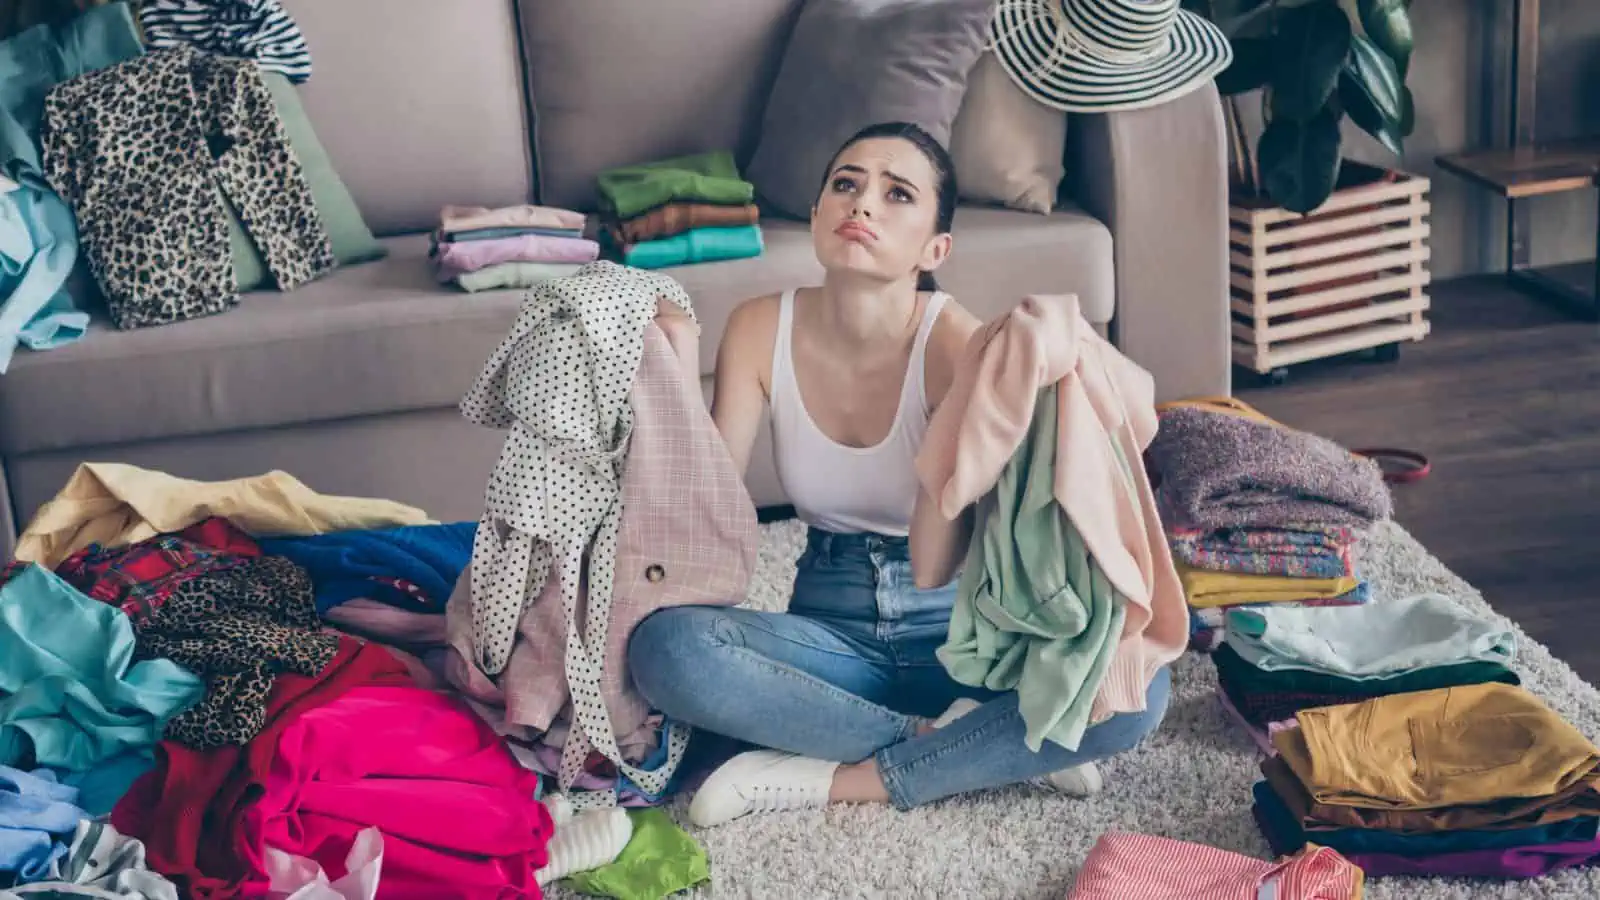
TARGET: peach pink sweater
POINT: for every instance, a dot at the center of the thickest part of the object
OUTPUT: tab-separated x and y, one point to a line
1106	405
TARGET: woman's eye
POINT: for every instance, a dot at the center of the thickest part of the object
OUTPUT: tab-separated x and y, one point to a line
899	195
840	185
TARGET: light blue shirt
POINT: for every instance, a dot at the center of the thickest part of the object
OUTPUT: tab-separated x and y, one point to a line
37	819
38	245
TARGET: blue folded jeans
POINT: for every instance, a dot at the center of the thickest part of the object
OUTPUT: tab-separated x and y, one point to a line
849	672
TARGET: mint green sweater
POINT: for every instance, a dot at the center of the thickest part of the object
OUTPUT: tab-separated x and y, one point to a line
1034	613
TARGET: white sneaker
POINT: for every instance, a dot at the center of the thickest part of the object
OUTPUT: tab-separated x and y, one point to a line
761	781
1078	781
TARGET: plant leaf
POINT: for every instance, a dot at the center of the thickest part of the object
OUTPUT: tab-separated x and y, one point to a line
1358	106
1312	44
1251	66
1299	160
1408	113
1388	24
1375	74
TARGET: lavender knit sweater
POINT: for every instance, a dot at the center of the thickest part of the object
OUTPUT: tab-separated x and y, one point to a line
1220	470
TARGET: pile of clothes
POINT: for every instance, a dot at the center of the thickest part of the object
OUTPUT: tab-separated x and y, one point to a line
1276	661
190	706
1259	514
480	249
1479	780
1123	865
689	209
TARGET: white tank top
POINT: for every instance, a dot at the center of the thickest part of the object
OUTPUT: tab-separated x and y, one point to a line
848	489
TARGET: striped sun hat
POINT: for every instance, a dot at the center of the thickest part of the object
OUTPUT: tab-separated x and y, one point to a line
1106	55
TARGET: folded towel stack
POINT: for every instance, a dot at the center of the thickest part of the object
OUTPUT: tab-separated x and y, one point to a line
1473	781
689	209
480	249
1258	513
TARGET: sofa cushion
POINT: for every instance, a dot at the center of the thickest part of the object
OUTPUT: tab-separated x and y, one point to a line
854	63
379	337
418	108
384	337
620	82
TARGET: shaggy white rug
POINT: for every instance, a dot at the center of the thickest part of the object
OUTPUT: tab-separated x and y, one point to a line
1190	780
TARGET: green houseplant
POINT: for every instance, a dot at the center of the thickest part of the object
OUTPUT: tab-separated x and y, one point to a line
1315	62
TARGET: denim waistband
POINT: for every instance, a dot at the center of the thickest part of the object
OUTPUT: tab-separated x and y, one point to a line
833	544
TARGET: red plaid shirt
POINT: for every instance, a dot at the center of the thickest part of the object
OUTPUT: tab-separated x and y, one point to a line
138	578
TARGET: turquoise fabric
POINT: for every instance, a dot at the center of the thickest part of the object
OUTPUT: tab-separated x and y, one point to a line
38	245
660	860
1034	613
1377	640
38	236
696	245
71	696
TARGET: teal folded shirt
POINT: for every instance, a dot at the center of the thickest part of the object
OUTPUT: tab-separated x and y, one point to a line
71	696
696	245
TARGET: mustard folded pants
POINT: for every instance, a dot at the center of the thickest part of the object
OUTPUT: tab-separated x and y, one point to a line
1455	746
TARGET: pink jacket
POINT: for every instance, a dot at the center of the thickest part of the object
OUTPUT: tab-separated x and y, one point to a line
688	537
1106	403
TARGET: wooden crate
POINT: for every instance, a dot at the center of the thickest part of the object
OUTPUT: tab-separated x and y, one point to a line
1350	276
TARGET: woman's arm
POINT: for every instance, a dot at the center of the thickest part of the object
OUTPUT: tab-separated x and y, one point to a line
739	395
939	545
683	333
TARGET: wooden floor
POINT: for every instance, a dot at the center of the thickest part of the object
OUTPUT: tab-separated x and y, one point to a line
1504	398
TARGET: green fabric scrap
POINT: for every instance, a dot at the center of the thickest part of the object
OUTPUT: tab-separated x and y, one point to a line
660	860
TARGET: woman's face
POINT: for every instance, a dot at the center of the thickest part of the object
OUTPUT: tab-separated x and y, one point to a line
877	212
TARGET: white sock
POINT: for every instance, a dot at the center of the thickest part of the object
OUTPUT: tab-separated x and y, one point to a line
586	840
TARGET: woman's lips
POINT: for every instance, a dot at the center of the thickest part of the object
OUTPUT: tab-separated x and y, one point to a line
855	231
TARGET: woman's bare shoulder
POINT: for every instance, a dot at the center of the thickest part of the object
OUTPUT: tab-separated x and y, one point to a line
947	341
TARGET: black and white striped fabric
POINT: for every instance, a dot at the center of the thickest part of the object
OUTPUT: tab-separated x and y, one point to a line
1105	55
258	30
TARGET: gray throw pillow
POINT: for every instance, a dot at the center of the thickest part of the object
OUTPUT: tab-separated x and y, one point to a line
853	63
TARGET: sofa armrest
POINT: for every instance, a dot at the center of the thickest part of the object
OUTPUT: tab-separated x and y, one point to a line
1158	178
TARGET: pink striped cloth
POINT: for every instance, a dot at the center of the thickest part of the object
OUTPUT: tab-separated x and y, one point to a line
688	537
1127	866
454	259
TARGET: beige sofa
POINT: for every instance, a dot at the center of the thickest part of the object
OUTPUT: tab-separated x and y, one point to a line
351	383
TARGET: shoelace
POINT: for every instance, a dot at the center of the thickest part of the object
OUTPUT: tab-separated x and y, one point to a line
774	797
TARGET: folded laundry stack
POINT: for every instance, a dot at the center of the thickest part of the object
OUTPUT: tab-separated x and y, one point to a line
1276	661
1260	514
689	209
1471	781
480	249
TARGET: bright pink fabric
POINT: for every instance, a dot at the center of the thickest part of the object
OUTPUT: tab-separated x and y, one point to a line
457	812
453	259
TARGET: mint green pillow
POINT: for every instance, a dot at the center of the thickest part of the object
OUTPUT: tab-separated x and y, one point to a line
352	239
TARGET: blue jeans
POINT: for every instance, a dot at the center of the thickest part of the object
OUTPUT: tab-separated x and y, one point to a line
849	672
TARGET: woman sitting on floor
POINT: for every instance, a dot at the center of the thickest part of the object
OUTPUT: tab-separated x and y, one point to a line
844	685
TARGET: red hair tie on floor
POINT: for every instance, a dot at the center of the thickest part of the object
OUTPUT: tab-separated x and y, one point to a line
1399	466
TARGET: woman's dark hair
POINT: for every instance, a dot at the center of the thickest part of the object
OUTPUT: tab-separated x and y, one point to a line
944	174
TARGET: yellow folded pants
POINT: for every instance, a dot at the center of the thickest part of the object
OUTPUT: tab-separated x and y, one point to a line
1208	588
1455	746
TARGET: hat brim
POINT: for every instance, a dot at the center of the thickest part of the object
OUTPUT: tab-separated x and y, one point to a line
1023	33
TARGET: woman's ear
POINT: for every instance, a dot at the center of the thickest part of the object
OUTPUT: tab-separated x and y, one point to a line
936	252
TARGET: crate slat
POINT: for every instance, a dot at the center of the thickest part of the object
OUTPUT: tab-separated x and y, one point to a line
1351	275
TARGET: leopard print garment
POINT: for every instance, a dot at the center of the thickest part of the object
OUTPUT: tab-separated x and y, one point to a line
145	151
238	628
